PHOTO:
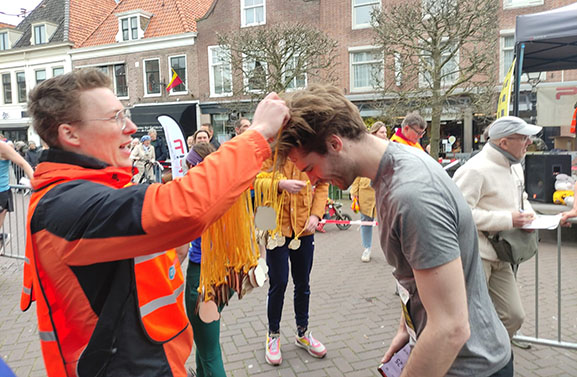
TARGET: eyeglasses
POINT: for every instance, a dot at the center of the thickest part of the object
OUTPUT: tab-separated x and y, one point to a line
418	132
120	118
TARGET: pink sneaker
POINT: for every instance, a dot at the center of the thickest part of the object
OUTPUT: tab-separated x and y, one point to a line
313	346
273	355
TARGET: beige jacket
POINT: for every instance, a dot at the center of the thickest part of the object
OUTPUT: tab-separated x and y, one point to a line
494	189
140	157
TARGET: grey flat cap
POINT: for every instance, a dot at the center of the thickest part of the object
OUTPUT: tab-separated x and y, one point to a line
509	125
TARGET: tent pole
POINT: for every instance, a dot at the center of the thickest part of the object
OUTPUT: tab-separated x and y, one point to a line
519	52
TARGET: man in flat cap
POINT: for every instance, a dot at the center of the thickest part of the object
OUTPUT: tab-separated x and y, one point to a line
493	184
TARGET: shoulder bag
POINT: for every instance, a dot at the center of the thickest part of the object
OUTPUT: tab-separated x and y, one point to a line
514	246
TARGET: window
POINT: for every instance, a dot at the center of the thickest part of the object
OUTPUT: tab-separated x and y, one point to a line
178	63
507	4
131	24
39	34
362	10
219	122
129	27
121	88
103	69
398	69
7	88
255	75
4	41
507	54
40	76
152	76
300	78
366	70
449	71
436	8
57	71
253	12
220	73
134	27
21	86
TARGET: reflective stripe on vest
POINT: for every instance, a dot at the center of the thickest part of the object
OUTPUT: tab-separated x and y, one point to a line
47	336
161	301
27	296
148	257
51	352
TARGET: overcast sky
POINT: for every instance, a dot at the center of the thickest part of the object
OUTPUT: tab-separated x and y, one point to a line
9	9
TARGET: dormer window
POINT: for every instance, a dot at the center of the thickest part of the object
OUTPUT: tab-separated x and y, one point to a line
41	33
129	28
132	25
8	37
4	41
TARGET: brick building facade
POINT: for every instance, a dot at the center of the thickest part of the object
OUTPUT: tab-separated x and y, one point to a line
138	42
356	46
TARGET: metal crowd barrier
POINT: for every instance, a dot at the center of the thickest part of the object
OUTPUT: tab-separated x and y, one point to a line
15	224
558	342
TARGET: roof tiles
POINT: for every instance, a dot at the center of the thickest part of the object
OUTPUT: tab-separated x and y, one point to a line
86	16
47	11
169	17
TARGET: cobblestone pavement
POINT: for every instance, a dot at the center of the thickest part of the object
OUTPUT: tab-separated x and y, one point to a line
353	311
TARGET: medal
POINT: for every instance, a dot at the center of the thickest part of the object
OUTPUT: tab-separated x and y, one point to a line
271	243
294	244
252	278
280	240
263	265
246	286
259	276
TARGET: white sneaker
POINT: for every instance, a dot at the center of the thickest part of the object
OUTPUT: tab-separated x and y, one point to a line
313	346
366	257
273	355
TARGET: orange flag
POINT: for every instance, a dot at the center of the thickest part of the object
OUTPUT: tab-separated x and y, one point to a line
174	81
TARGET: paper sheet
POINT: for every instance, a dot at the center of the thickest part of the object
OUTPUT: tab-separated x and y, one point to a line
544	222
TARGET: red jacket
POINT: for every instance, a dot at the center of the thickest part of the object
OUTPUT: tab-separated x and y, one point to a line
109	297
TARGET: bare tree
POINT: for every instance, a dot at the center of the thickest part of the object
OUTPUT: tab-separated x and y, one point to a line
277	58
440	56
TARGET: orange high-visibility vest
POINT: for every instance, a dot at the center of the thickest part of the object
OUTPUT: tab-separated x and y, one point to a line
160	301
51	351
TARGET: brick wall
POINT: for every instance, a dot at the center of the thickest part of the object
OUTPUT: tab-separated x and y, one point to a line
277	11
135	78
334	18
